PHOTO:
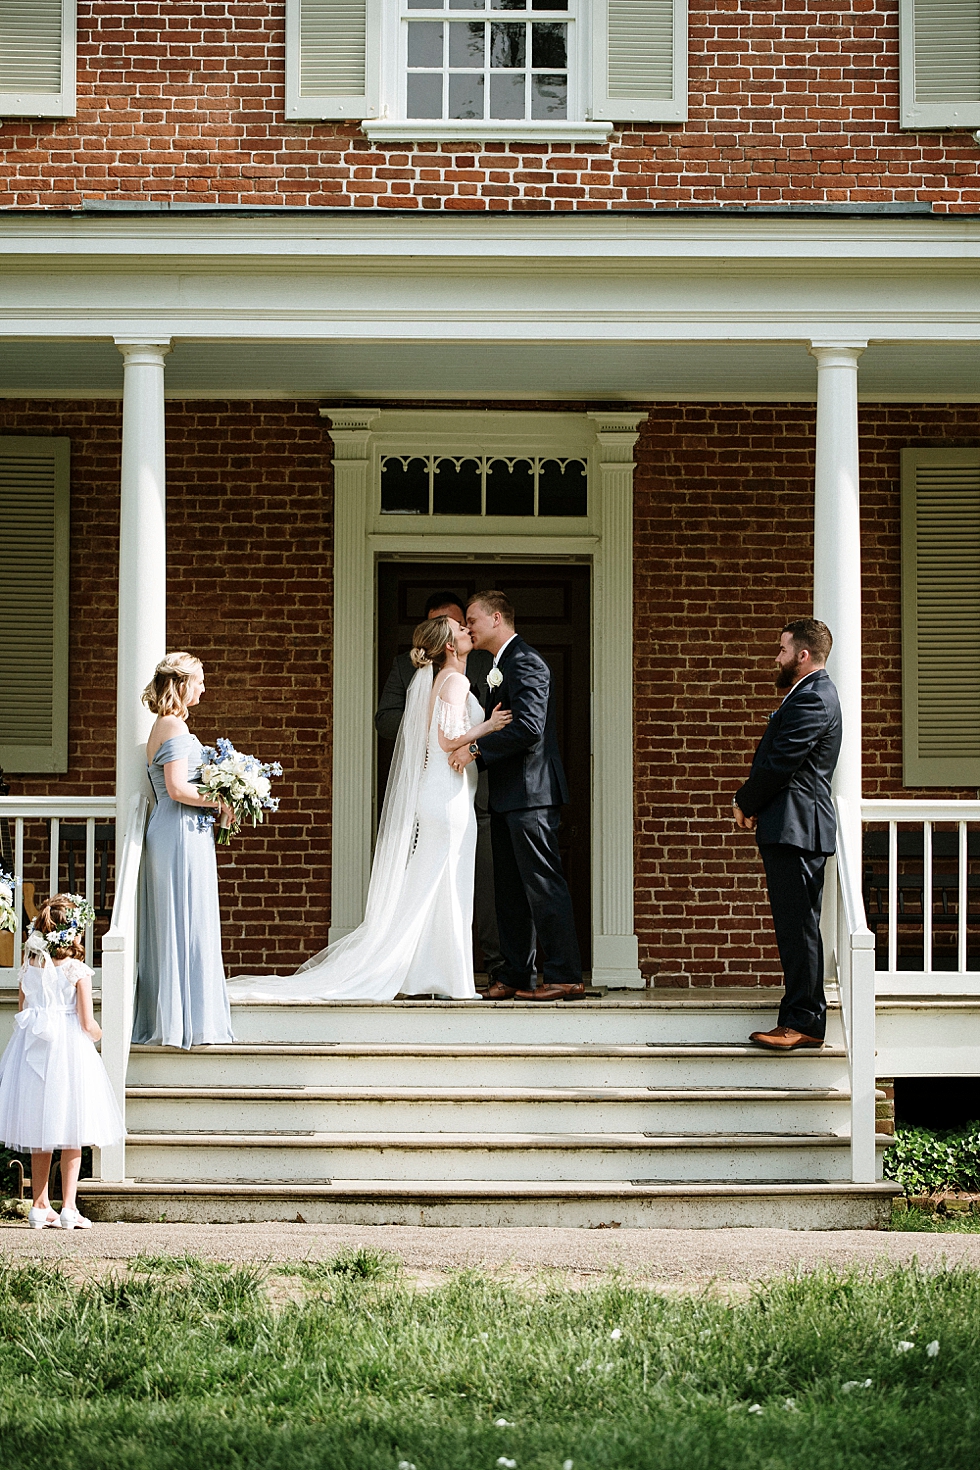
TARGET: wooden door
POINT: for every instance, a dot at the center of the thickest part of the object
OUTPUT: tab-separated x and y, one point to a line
553	606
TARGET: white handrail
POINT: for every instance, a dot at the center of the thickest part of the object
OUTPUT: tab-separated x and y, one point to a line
119	976
855	959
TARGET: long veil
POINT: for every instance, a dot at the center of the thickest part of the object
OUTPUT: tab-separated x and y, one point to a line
367	962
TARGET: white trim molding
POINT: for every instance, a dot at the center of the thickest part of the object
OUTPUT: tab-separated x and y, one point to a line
603	538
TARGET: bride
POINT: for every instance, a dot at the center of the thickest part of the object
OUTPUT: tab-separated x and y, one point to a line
416	935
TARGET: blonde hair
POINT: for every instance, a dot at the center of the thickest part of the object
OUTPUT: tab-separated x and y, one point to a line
164	695
430	642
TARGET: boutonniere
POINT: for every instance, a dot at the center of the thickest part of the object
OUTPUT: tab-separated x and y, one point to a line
495	678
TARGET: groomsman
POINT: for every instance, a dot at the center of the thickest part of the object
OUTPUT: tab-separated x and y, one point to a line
391	707
787	803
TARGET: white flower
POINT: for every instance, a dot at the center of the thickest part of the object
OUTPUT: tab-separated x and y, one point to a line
789	1404
503	1424
855	1383
568	1465
904	1347
616	1334
932	1348
755	1408
484	1337
495	678
405	1465
6	893
507	1464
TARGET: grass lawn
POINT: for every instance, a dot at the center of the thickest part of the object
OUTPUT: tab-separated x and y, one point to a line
342	1366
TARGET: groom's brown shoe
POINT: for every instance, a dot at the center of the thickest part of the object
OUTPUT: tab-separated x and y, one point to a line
784	1038
499	991
543	992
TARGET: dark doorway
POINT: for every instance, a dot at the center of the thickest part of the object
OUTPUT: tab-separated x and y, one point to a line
553	605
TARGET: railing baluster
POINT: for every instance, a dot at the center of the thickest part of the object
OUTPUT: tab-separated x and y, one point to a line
892	897
90	886
961	915
54	858
18	890
927	897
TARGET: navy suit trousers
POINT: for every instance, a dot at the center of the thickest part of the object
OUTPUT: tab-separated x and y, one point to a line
795	882
534	906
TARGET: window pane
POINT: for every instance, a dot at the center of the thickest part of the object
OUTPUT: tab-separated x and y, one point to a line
467	4
465	94
562	493
466	44
425	43
510	492
549	4
507	94
508	4
549	96
548	46
424	94
456	489
405	488
507	45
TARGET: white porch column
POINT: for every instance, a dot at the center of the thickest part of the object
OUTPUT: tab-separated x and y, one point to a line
614	945
142	561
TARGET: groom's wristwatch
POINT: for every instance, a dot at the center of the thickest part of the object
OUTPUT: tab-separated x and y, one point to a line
474	749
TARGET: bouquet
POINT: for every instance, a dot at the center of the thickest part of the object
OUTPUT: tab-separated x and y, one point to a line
241	781
8	914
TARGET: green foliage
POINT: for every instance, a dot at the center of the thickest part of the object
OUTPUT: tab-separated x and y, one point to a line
206	1369
914	1219
923	1162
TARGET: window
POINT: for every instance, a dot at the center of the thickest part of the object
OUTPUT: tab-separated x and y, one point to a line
940	63
493	69
941	616
483	485
34	604
37	58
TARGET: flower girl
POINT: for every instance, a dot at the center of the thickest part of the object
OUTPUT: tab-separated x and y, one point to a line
54	1091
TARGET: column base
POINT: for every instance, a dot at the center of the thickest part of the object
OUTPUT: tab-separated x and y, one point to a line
615	961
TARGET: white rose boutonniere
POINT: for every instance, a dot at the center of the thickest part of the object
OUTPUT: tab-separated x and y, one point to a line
495	678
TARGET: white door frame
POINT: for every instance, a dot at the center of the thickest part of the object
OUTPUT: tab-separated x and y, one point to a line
362	536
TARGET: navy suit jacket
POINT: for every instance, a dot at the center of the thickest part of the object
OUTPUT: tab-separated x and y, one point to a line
522	760
789	786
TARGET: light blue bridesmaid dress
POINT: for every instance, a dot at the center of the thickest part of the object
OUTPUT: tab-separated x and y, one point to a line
180	994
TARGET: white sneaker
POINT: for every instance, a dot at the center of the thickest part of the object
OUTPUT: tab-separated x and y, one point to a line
43	1219
72	1220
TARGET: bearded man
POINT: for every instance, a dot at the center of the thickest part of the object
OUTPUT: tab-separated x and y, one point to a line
787	803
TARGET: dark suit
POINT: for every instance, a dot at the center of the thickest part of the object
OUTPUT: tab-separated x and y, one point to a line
387	719
527	791
788	790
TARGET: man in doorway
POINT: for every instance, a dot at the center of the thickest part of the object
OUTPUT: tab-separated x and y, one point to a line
388	718
787	803
527	791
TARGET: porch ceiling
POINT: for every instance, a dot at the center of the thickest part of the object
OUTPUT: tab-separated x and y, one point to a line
506	370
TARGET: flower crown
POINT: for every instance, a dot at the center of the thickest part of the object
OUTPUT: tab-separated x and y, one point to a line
80	915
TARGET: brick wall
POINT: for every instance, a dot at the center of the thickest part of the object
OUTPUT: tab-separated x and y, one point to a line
790	101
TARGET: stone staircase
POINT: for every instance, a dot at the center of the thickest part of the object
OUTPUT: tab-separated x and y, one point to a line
623	1110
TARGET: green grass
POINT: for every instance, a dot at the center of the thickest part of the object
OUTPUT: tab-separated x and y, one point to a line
916	1219
208	1368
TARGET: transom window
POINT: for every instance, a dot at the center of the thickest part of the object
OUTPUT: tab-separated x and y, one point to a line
483	485
510	63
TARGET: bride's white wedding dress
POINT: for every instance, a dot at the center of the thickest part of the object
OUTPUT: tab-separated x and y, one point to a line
416	937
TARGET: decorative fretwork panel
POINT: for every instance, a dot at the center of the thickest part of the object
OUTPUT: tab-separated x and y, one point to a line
483	485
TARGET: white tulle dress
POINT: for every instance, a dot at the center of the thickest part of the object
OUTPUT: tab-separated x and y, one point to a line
54	1091
416	938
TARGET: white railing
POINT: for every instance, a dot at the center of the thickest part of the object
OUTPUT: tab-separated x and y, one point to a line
855	967
119	975
918	884
53	811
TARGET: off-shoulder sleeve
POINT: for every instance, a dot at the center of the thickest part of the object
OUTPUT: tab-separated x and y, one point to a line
453	719
177	748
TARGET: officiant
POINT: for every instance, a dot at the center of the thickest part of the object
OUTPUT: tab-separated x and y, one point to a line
391	707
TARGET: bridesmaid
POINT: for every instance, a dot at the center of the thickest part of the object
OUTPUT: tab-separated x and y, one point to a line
180	997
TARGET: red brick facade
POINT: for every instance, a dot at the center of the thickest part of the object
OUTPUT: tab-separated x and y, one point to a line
183	99
723	527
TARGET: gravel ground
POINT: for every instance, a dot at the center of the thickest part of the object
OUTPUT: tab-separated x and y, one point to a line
683	1257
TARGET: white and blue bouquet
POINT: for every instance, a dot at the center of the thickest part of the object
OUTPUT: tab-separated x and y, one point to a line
8	914
242	781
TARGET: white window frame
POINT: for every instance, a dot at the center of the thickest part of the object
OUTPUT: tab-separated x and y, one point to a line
925	115
50	104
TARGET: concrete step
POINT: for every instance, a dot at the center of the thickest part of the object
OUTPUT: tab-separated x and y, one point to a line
502	1203
318	1156
555	1110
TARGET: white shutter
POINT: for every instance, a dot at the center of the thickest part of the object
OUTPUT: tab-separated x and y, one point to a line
37	58
940	63
639	60
333	59
34	604
941	616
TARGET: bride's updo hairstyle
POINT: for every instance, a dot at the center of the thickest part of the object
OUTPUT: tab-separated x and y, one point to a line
430	642
164	695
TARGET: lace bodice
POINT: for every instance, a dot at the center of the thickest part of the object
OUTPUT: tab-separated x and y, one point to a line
53	985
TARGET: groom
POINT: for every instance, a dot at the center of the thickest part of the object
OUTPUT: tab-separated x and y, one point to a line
527	792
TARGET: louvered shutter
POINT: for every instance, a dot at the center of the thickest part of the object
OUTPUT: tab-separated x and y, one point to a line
34	604
37	58
940	63
639	60
941	616
333	59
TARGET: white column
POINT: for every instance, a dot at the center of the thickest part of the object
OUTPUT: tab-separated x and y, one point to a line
614	944
142	638
353	648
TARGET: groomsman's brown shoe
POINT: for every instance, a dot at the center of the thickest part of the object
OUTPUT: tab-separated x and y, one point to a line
544	992
499	991
784	1038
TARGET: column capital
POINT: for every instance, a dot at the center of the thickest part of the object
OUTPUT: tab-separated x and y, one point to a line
836	354
616	434
146	351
